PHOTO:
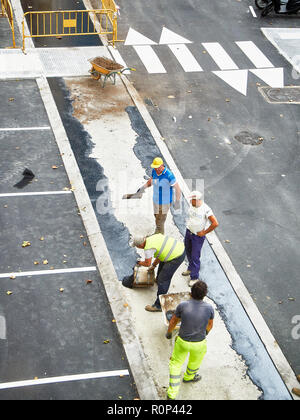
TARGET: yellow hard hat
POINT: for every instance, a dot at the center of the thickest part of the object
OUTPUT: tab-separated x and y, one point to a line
157	162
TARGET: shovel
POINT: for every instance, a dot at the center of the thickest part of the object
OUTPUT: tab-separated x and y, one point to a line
138	194
134	195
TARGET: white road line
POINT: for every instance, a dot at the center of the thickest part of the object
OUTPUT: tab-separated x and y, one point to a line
24	128
149	59
254	54
185	58
252	11
44	272
67	378
34	193
220	56
290	35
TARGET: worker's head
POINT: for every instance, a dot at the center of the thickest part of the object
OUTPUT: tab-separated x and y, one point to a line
199	290
196	198
158	165
138	241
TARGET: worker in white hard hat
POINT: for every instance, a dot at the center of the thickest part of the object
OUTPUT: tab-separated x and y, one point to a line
163	182
201	221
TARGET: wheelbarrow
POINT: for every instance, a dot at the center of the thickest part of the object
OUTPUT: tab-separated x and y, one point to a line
102	66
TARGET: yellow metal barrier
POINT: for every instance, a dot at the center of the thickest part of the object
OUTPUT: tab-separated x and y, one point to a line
61	23
113	10
6	10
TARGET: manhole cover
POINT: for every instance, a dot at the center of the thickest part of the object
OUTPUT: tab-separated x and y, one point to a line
286	95
248	138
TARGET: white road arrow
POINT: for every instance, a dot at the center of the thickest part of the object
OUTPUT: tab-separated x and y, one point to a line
237	79
170	37
272	77
136	38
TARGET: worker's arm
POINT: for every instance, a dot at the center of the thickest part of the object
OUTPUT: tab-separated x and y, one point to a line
147	185
172	324
154	264
145	263
213	224
177	191
209	325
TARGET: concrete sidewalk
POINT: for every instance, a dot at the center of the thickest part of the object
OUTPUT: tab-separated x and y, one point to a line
118	140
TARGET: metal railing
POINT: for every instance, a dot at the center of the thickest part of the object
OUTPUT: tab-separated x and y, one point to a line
61	23
6	10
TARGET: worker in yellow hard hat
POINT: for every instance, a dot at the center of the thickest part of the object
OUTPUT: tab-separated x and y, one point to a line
163	182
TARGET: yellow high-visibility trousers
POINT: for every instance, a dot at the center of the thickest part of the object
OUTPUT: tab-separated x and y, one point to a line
182	348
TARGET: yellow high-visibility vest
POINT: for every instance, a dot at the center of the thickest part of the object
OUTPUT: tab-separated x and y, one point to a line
167	248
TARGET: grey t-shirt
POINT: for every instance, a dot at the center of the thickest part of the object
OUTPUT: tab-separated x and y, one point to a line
194	315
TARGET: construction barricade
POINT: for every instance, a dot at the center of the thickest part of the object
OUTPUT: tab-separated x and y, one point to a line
6	10
60	23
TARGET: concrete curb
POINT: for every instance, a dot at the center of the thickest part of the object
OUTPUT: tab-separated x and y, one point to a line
134	352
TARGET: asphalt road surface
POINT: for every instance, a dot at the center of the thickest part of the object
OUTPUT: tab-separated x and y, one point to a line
201	86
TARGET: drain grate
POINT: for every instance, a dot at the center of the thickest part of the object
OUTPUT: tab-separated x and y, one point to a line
248	138
286	95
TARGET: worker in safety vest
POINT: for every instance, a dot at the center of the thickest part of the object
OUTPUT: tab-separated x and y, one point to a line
168	253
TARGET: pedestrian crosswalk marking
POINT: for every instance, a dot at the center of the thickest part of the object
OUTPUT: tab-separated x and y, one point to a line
149	59
220	56
185	58
254	54
169	37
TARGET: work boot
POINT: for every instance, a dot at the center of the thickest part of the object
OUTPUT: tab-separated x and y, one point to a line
296	391
192	282
152	308
186	273
196	378
298	378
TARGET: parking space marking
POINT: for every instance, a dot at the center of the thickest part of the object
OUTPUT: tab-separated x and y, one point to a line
24	128
67	378
43	272
34	193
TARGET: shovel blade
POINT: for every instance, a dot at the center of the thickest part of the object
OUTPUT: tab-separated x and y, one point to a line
132	196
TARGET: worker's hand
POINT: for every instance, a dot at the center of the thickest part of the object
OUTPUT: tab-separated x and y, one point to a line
201	233
152	268
168	335
141	190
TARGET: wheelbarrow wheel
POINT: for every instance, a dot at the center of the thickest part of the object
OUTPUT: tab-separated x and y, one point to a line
95	74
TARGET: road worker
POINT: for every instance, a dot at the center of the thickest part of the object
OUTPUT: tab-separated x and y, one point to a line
163	182
196	321
168	253
201	221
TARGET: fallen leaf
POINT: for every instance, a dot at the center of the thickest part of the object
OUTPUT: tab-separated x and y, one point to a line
9	292
106	341
125	305
89	281
12	277
36	263
113	320
54	167
25	244
45	262
171	97
61	289
227	241
42	238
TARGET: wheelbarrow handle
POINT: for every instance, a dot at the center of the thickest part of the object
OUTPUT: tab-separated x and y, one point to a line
127	68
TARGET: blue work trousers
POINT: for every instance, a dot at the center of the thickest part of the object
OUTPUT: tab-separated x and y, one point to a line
193	246
164	276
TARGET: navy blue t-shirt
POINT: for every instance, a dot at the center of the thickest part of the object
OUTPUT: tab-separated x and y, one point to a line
194	315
